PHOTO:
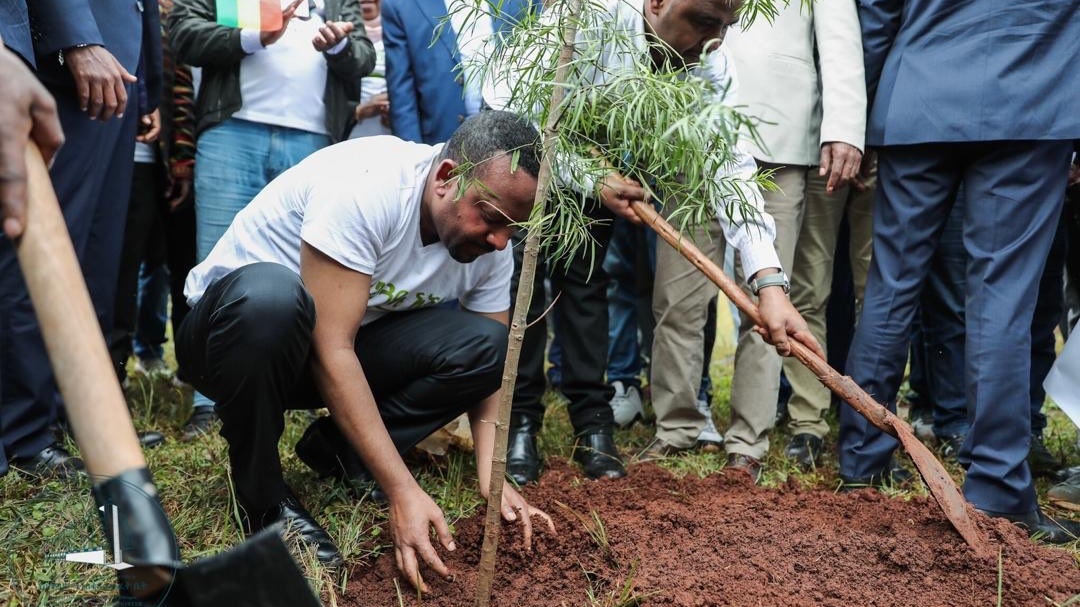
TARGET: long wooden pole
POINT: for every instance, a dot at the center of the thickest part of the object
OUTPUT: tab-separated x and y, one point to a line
937	479
526	281
94	402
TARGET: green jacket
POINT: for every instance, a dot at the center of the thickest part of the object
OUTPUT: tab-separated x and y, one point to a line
198	40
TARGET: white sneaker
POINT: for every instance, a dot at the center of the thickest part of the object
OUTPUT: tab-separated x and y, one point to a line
710	437
152	367
626	404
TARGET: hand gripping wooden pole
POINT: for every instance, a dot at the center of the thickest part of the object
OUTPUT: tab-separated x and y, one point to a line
937	479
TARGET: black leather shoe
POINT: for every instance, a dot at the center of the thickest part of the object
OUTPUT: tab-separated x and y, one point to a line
296	519
598	455
522	455
805	449
1040	460
146	538
319	450
1042	527
52	461
893	475
151	439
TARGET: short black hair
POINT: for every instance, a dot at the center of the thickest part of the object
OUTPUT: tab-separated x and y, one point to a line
492	132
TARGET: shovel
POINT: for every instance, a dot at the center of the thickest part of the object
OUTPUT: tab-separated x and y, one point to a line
941	485
259	572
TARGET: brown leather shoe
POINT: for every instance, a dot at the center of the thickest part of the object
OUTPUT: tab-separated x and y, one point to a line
745	463
658	449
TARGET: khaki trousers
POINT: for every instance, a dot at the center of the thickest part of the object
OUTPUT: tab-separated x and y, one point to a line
680	295
811	285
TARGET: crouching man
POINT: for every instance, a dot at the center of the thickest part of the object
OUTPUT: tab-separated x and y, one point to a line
324	291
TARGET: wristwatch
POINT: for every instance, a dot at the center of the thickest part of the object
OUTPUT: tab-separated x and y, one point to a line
778	279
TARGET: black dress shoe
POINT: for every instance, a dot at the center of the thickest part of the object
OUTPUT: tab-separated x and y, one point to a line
522	455
893	475
1041	461
325	451
1042	527
598	455
805	449
52	461
146	538
199	424
296	519
151	439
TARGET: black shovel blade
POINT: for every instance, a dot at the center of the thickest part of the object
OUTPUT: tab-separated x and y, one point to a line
258	573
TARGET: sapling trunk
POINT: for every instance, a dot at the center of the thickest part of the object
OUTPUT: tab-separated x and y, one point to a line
493	520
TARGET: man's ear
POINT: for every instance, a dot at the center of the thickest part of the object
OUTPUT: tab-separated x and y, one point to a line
444	171
654	6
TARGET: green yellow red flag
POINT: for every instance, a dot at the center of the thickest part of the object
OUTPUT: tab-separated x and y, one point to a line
263	15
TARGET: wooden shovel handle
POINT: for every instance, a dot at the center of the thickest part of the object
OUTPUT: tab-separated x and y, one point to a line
842	385
95	404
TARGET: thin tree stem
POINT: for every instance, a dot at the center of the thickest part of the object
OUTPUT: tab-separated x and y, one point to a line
493	521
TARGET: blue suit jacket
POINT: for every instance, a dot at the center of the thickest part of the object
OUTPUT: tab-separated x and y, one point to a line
123	27
15	28
971	70
426	97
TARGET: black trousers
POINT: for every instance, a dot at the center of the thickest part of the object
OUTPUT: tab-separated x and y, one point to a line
247	342
581	318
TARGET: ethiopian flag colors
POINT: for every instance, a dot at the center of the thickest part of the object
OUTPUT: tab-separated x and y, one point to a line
263	15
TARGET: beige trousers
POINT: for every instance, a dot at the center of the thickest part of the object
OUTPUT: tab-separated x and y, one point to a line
811	285
680	294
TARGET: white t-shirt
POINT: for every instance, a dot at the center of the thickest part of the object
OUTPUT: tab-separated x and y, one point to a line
358	202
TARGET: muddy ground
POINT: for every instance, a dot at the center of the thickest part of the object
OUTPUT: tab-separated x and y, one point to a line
721	541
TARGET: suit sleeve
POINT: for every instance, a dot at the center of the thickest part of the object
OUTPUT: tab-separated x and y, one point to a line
152	54
357	59
880	20
843	81
197	38
61	24
400	80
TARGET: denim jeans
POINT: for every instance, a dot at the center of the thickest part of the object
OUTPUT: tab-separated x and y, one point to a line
234	161
631	263
153	312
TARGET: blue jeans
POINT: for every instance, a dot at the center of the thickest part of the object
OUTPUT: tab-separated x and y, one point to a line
234	161
153	305
631	248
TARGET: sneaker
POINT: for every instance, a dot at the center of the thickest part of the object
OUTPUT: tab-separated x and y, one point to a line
710	439
626	404
200	423
1066	494
922	423
152	367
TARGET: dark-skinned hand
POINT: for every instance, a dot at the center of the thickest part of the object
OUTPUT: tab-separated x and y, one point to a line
100	81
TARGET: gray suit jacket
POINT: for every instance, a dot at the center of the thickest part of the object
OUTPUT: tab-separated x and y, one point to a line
976	70
802	76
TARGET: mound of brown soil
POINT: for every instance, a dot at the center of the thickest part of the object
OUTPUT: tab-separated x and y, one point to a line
721	541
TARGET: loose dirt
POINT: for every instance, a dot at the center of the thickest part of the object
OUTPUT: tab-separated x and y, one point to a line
721	541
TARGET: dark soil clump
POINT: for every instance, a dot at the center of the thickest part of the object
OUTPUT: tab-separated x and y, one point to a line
695	542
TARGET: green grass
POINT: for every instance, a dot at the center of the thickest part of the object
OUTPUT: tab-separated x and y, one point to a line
38	519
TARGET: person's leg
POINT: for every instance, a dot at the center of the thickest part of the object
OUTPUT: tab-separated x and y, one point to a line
811	285
756	380
624	354
245	344
941	310
915	189
1049	308
141	213
153	312
681	294
1015	192
529	389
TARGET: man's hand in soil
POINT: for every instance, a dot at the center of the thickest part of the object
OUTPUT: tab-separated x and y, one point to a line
514	507
783	322
617	192
100	81
411	518
27	111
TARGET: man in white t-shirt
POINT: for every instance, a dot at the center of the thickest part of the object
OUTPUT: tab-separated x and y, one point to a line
371	234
